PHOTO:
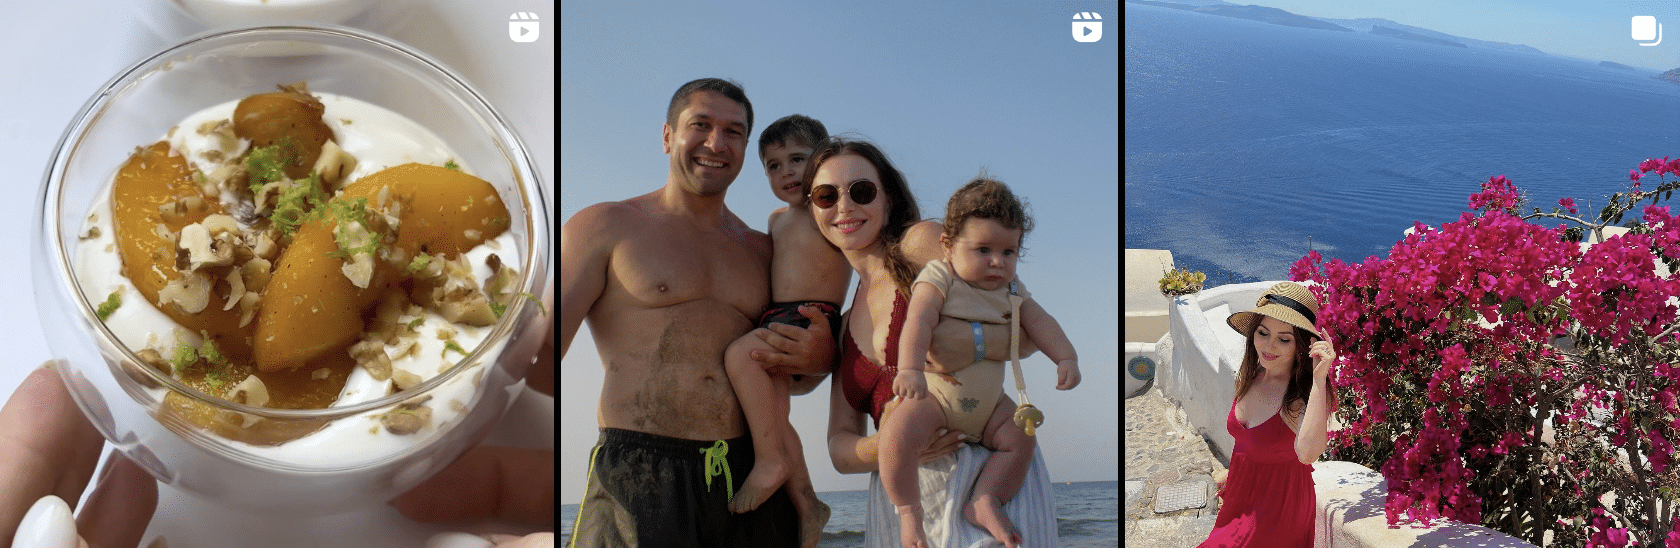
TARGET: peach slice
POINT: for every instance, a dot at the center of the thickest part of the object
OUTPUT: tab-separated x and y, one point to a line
311	309
153	189
269	118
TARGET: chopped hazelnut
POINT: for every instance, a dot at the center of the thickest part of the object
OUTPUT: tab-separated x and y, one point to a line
262	245
165	233
190	292
236	419
236	288
359	269
370	355
248	307
407	418
334	165
405	379
409	346
152	358
256	393
203	250
220	224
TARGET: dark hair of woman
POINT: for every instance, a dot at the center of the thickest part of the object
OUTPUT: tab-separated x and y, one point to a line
902	211
1300	374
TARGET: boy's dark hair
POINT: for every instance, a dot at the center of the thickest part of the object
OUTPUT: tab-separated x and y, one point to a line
987	198
805	130
730	89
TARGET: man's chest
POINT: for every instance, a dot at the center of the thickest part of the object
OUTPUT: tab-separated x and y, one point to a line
658	272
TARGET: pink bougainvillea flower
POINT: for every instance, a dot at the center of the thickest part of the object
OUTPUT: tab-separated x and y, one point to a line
1458	318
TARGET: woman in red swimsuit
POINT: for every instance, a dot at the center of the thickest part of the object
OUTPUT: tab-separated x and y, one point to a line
864	207
1280	419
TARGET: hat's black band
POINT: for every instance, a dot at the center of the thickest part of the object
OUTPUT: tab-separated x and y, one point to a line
1294	305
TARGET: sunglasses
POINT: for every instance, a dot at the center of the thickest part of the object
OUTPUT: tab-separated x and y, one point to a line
825	196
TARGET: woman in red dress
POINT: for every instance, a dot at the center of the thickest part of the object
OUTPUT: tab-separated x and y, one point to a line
1280	419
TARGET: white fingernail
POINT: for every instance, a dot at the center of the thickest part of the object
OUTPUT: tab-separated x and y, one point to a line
47	525
961	437
457	540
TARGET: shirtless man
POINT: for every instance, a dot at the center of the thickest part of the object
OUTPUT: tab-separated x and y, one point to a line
667	280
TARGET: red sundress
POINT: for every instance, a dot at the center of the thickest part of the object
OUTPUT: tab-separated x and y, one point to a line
1268	499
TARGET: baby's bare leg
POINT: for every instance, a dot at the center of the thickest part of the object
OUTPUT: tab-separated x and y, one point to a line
1002	475
766	410
904	433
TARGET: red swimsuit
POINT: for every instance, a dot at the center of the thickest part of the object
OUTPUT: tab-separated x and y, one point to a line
868	387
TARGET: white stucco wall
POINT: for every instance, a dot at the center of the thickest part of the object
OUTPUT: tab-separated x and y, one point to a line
1206	355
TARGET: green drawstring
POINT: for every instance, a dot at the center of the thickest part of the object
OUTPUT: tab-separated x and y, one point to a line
716	462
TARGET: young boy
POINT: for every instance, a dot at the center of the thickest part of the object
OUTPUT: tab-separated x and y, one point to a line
805	271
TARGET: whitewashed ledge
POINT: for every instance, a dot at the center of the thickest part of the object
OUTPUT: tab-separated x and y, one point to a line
1350	515
1201	357
1205	356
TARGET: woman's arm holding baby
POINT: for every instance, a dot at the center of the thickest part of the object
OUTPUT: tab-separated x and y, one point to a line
851	451
854	453
953	342
1040	327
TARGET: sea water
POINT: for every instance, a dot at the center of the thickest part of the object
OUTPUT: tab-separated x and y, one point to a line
1245	139
1087	516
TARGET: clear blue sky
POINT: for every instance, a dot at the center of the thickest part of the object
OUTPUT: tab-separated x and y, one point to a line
1598	30
945	89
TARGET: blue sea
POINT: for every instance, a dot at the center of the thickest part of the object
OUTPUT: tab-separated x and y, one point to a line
1246	142
1088	514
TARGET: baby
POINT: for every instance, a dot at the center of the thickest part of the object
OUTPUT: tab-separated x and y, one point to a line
805	271
984	228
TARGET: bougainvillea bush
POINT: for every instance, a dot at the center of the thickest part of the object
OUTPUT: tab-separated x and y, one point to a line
1497	373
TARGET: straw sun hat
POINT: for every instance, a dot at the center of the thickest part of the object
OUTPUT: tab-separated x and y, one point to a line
1289	302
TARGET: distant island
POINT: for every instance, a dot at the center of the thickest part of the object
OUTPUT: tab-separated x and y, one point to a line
1394	33
1670	76
1615	65
1368	25
1257	13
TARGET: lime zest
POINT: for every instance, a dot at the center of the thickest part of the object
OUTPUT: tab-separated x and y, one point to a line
297	204
268	164
419	263
110	305
346	211
452	345
185	357
210	353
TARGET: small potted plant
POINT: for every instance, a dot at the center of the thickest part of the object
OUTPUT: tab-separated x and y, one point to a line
1181	282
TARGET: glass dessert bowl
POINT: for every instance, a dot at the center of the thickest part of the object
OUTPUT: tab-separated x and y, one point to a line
279	387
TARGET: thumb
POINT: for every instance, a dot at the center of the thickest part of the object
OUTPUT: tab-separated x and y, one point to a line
487	482
818	319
